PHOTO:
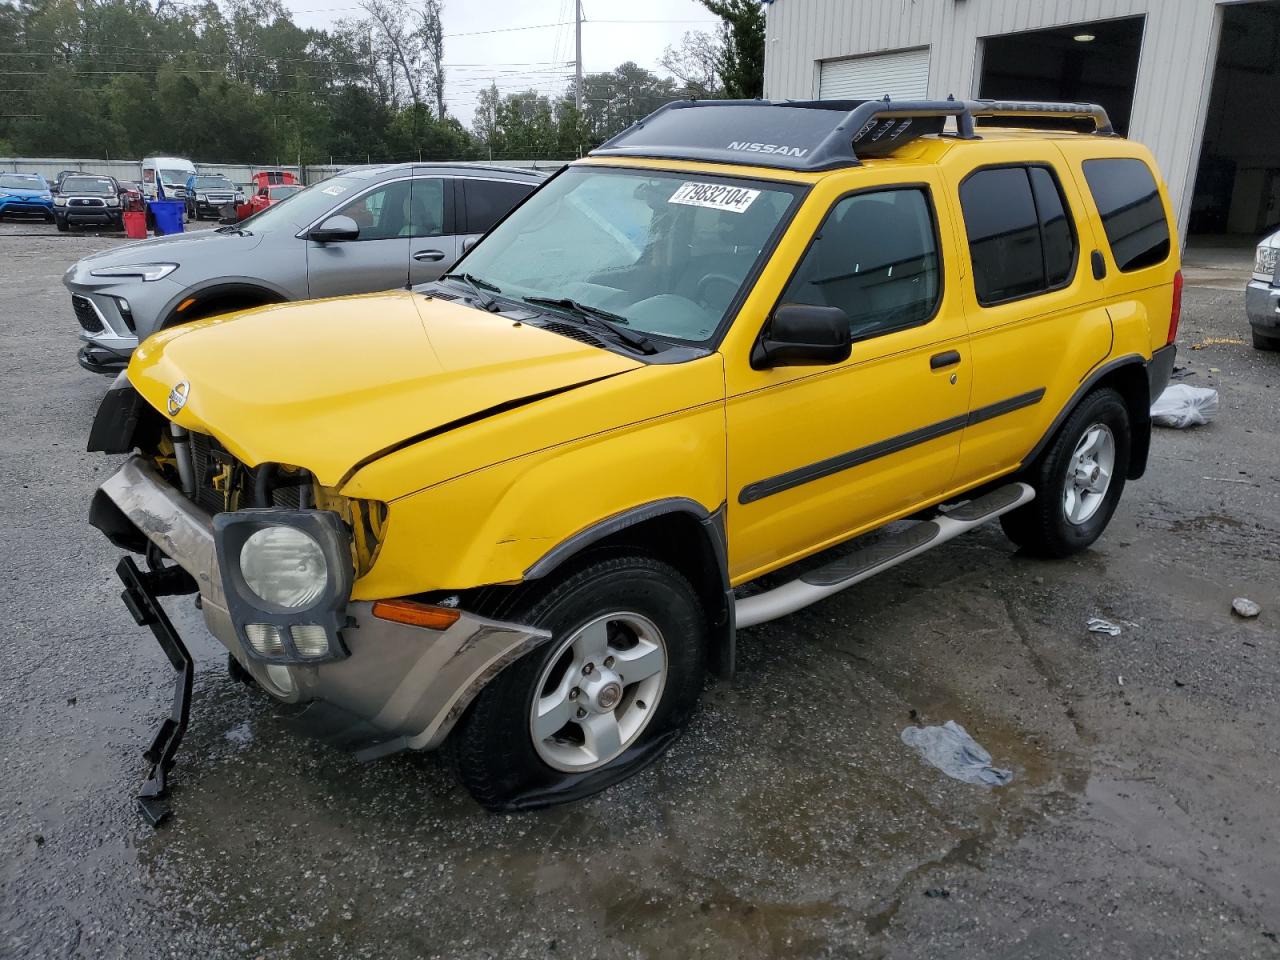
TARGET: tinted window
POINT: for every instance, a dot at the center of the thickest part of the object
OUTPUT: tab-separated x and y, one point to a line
1004	235
876	258
1021	239
1058	236
489	200
1132	213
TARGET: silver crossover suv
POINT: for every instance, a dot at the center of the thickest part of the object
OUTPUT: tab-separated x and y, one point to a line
367	229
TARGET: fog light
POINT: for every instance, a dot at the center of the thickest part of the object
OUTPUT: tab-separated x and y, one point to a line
310	640
265	639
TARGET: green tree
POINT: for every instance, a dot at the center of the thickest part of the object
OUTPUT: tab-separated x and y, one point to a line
741	64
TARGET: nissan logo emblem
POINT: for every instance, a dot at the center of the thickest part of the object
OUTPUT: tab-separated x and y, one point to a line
178	396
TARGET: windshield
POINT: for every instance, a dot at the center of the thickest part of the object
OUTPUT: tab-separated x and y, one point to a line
22	182
100	185
175	178
306	205
666	252
213	183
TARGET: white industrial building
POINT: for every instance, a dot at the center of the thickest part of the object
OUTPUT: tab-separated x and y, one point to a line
1198	81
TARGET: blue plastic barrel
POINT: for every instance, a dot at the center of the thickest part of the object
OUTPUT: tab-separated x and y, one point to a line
167	215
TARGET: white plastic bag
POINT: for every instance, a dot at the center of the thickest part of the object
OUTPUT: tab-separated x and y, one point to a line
1182	405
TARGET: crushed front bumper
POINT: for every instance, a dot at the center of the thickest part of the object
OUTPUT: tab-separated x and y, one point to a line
402	687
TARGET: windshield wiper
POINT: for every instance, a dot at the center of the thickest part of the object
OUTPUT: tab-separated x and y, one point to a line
603	319
477	285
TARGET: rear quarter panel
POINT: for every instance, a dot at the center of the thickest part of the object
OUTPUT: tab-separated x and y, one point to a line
1139	301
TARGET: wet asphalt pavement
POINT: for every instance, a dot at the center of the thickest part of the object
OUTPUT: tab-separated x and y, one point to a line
1142	820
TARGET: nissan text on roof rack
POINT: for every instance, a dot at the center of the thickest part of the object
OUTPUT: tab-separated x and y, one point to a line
512	516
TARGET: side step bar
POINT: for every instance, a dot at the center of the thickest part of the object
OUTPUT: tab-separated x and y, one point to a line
867	561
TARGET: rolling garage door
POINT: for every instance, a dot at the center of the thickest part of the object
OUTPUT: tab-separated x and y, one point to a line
903	75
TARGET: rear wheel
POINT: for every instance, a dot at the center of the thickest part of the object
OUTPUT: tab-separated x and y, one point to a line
598	702
1263	342
1078	480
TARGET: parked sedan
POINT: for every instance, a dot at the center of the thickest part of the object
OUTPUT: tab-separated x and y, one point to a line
26	194
1262	296
88	200
367	229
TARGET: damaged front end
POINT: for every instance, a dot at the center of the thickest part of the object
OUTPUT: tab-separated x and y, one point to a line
273	557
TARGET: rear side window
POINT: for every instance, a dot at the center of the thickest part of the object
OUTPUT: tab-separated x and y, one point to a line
1132	214
876	258
488	201
1021	239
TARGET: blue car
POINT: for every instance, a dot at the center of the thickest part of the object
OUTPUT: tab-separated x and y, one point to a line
25	193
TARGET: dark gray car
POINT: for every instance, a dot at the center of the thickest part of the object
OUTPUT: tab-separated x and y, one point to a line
366	229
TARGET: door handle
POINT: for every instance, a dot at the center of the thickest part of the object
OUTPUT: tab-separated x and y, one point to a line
429	255
940	361
1099	265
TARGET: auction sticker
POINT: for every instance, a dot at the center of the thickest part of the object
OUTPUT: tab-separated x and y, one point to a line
336	190
717	196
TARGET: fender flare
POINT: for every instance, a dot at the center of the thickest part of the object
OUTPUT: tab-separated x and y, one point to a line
1141	430
712	522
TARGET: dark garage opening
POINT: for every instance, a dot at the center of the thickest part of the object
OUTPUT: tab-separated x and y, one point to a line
1093	62
1238	180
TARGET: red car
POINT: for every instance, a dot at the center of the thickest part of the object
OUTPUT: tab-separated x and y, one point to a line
270	186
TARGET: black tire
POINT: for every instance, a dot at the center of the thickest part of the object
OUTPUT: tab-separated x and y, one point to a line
1263	342
493	746
61	224
1042	527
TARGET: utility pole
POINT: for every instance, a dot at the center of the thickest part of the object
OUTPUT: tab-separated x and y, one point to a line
577	30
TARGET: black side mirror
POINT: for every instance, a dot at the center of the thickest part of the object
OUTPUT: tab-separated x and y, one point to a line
335	229
802	335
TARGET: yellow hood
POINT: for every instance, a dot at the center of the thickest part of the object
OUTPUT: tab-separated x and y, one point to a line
329	385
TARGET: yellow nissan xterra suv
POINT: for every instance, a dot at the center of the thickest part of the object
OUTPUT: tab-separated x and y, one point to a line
511	511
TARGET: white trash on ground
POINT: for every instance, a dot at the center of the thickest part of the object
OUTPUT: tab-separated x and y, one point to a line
1244	607
951	749
1098	625
1182	405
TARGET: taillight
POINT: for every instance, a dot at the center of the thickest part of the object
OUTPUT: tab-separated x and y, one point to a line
1175	314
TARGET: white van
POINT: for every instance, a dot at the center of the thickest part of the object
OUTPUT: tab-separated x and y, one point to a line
172	172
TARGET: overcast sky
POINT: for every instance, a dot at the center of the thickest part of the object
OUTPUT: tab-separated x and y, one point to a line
529	43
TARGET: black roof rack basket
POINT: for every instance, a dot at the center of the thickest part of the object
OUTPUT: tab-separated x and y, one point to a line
819	134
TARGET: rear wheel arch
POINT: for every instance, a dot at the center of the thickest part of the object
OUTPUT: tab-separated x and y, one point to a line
1128	377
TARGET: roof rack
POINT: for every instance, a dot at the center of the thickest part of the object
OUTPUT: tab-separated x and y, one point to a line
818	134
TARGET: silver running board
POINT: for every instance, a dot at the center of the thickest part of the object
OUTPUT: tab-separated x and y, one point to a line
867	561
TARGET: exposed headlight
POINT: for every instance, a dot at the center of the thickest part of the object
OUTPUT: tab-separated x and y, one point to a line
203	197
1264	260
147	271
59	201
113	201
284	566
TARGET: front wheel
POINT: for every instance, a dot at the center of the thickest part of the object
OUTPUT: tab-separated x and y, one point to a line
597	703
1078	480
61	224
1263	342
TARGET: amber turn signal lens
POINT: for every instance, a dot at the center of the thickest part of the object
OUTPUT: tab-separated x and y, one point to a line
416	614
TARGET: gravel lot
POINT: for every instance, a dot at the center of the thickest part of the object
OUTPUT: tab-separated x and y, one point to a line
1141	822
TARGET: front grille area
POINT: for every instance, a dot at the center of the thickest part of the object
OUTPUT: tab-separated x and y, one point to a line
86	202
210	459
85	313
